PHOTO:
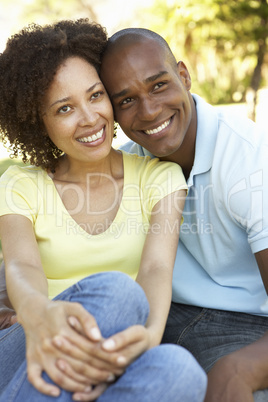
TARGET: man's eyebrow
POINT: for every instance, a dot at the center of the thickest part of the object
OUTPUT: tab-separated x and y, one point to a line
68	97
155	77
148	80
120	94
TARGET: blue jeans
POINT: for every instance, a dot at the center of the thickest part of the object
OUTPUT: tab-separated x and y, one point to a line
211	334
164	373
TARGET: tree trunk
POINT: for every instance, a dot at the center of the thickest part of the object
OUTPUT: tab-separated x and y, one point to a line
251	93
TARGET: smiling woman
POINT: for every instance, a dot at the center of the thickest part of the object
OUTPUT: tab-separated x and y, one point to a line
37	146
90	278
78	116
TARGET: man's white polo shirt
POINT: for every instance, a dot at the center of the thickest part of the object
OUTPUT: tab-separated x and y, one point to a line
225	214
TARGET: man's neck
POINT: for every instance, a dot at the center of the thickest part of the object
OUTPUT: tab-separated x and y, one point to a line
185	155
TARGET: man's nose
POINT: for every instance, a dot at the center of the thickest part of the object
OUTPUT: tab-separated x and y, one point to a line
149	109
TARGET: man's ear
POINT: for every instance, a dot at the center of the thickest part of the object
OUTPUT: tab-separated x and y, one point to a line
184	75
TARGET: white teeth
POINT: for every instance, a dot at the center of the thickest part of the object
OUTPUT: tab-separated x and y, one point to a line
158	129
93	137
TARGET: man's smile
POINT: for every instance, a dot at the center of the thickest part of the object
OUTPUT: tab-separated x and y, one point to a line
159	128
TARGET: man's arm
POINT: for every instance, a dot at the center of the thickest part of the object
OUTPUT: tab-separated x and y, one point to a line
262	261
236	376
7	314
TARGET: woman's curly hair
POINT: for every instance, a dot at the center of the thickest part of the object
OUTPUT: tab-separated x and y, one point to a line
27	68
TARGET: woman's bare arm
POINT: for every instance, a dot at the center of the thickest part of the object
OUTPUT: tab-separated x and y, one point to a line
27	287
7	313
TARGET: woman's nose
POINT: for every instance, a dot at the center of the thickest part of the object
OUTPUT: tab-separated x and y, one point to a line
88	116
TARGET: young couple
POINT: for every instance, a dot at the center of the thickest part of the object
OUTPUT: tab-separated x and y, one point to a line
218	309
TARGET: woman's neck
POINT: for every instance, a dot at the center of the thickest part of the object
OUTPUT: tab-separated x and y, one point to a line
76	171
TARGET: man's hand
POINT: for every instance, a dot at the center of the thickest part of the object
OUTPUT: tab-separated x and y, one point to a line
235	377
226	384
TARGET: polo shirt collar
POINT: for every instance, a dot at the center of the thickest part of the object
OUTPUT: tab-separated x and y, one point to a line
206	136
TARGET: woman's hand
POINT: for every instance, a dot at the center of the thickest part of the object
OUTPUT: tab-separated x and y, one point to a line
43	319
7	314
115	353
97	391
7	317
50	322
130	343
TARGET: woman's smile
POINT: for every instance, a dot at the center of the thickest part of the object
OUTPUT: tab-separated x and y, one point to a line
92	137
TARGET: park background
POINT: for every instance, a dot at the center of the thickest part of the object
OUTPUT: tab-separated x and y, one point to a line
223	43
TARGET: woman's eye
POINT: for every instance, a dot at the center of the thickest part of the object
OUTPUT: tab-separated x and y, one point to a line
64	109
96	95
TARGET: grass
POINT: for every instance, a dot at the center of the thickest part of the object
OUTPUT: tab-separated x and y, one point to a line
4	164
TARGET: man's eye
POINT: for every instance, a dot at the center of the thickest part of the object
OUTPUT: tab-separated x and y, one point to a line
159	85
125	101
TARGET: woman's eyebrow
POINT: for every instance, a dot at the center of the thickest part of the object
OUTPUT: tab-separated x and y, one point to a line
68	97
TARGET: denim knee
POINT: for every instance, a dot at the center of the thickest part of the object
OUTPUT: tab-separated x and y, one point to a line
261	396
186	376
12	353
115	300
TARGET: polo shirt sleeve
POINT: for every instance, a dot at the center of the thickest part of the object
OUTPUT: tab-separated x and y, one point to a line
247	196
18	193
132	148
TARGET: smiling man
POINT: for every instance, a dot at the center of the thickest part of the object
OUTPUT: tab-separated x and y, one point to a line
151	98
219	310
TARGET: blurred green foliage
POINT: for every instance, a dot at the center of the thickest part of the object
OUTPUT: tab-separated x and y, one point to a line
47	11
220	42
223	43
5	163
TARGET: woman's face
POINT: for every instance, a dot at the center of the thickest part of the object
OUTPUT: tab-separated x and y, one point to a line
77	112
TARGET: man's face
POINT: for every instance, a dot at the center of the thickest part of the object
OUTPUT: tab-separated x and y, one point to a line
150	96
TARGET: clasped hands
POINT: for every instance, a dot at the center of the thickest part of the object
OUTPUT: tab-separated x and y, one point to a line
67	344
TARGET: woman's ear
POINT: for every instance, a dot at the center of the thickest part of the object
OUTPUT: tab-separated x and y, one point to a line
184	75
